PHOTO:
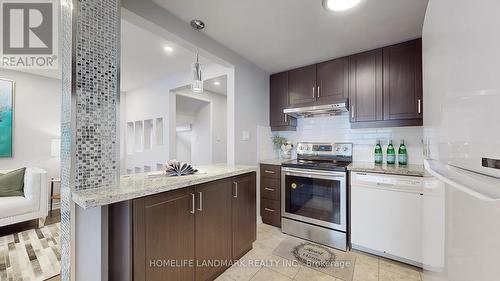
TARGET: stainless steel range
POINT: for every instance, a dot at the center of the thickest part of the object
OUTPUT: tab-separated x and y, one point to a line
314	193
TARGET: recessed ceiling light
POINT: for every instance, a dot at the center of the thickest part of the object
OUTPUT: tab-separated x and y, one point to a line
216	83
168	49
340	5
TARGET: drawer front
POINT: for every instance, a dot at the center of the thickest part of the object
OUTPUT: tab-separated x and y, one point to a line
270	188
270	171
270	212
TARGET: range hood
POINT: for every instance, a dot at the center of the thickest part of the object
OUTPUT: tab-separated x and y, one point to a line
319	110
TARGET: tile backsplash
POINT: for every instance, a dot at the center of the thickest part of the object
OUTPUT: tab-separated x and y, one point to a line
338	129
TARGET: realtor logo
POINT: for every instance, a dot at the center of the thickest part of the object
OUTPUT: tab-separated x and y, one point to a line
28	34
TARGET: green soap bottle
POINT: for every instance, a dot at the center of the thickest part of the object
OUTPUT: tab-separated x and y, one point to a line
379	156
402	154
391	154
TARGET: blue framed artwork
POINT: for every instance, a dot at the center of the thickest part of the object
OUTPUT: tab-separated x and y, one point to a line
6	117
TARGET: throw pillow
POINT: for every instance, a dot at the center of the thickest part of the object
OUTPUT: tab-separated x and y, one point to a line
12	183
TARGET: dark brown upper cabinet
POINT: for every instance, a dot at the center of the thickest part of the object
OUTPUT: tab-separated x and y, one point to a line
366	87
302	88
278	95
386	86
333	81
403	81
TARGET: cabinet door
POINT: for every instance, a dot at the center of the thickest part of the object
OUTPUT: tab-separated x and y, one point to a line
278	95
244	220
164	231
403	81
302	86
333	81
213	227
366	86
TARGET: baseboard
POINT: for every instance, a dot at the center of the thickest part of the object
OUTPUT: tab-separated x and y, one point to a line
259	220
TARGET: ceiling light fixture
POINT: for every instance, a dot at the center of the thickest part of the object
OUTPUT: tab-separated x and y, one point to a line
168	49
340	5
216	83
197	84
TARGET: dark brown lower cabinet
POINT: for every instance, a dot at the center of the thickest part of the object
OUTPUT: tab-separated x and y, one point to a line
213	228
179	235
244	211
163	231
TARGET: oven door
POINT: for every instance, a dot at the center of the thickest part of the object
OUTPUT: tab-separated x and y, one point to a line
314	196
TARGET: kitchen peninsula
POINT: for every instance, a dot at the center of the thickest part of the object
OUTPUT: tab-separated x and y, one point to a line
208	216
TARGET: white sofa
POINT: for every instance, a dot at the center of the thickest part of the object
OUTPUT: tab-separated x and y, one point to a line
33	205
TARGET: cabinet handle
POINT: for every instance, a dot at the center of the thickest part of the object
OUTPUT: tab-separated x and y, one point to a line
419	106
269	172
269	189
201	201
318	91
286	117
269	210
314	94
352	112
192	203
235	189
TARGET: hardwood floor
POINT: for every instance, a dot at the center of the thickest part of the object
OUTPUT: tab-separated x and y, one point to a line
23	226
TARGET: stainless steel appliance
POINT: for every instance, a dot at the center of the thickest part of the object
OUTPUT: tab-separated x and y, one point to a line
318	110
314	193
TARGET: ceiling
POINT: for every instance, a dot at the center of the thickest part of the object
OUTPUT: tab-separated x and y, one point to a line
144	59
189	106
282	34
216	85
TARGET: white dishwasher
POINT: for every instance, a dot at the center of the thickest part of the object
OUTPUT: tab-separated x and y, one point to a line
386	216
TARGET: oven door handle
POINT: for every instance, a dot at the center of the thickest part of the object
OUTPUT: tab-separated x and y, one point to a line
312	173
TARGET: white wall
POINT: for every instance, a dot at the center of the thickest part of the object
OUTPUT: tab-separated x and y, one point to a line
337	129
183	151
146	103
217	125
201	144
248	96
155	100
37	108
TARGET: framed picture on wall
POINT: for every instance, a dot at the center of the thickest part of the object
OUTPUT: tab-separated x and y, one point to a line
6	117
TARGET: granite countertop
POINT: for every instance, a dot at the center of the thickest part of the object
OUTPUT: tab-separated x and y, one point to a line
408	170
274	161
144	184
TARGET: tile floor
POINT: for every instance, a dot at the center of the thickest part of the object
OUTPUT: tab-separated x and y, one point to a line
367	267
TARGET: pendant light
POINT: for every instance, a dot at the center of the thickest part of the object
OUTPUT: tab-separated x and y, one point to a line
197	84
197	67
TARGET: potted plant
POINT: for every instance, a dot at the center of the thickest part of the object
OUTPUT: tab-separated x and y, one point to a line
283	146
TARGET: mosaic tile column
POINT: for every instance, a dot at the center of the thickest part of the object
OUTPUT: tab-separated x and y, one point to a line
90	34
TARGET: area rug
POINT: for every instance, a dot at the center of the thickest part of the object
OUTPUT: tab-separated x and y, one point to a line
327	260
32	255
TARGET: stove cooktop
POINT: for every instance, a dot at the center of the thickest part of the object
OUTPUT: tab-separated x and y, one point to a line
328	165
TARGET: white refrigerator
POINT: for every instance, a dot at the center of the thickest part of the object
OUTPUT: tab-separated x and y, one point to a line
461	66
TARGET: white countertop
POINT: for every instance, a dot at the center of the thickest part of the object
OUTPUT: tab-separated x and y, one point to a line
407	170
274	161
144	184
